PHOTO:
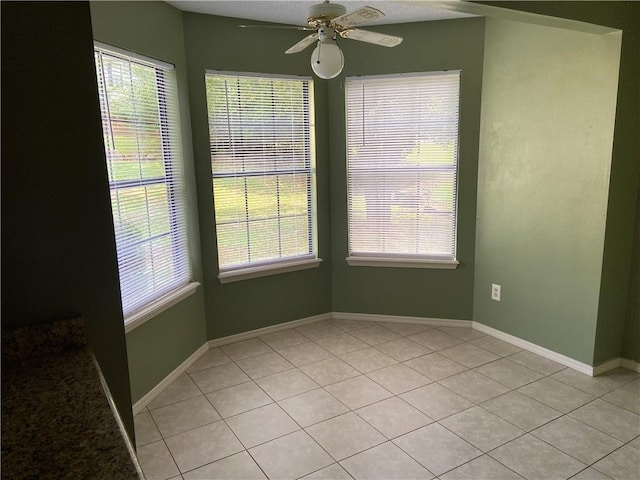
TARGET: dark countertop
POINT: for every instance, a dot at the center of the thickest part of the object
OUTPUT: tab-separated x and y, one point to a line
56	420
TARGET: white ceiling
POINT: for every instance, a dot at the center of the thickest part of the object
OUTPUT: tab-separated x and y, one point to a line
294	12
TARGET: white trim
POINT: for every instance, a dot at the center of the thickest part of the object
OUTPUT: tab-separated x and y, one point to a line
400	76
159	388
532	347
615	363
357	261
217	342
277	76
373	317
630	364
118	418
606	366
154	62
158	306
269	269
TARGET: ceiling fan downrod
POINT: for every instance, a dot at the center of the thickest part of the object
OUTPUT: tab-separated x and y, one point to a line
321	14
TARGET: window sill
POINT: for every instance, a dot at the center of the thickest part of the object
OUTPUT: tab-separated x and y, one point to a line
402	262
266	270
158	306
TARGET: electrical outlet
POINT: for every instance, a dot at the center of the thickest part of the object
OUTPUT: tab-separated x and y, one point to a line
495	292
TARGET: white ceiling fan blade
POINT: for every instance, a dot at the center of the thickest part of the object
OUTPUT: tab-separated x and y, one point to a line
304	43
372	37
363	15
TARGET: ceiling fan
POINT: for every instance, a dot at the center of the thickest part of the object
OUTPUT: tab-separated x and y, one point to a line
329	20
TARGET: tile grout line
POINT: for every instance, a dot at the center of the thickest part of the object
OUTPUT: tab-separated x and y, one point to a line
165	443
529	432
274	401
391	440
245	449
225	423
397	396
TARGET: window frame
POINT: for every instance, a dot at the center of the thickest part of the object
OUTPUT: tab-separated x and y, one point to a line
402	260
275	265
181	285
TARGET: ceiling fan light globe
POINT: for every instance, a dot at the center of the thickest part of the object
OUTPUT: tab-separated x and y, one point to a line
327	60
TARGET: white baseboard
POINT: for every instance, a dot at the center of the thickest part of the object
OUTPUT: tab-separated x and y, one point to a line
557	357
606	366
373	317
159	388
118	419
238	337
369	317
532	347
615	363
180	369
630	364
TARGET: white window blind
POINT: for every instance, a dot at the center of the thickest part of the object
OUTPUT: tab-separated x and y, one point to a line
402	156
138	100
263	165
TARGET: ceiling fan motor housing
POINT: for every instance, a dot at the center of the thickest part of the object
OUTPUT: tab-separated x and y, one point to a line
323	13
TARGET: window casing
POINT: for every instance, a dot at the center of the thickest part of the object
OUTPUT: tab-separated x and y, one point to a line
263	170
139	105
402	162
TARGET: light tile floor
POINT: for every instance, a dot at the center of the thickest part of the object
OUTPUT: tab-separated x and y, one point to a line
346	399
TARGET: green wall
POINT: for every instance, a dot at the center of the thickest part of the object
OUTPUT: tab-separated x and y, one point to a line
616	292
54	187
433	46
545	156
158	346
217	43
631	342
58	252
197	42
615	286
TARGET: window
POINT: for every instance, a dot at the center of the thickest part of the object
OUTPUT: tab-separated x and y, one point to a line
402	156
263	165
138	100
